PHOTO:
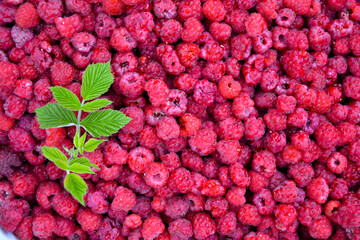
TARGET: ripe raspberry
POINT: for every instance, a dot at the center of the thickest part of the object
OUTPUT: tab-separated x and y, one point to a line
152	227
26	16
113	7
68	26
82	7
254	128
133	221
318	190
139	159
21	140
64	226
203	142
88	220
255	25
45	192
241	46
124	199
203	225
249	215
351	87
64	205
137	122
338	188
302	173
189	9
320	228
50	10
299	7
139	25
24	229
131	84
165	9
97	202
180	229
192	29
285	215
156	175
180	180
62	73
296	62
327	136
239	175
337	163
214	10
43	225
8	74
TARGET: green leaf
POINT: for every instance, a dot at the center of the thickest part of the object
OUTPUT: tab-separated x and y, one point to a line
66	98
53	154
105	122
92	144
53	115
82	141
76	186
96	105
97	80
79	168
61	164
94	166
77	139
81	160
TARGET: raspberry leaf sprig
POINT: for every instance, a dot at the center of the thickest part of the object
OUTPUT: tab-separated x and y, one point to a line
97	80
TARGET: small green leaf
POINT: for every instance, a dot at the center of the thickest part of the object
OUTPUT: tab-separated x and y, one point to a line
77	139
53	154
66	149
66	98
61	164
81	160
82	140
94	166
97	80
76	186
79	168
92	144
53	115
96	105
105	122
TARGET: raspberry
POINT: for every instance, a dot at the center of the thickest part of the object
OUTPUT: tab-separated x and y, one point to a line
188	9
214	10
286	192
156	175
8	74
296	62
254	128
176	207
113	154
203	142
180	229
165	9
97	202
26	16
82	7
88	220
302	173
64	205
300	7
255	25
192	30
133	221
68	26
137	122
113	7
64	226
62	73
43	225
45	192
180	180
337	163
229	151
241	46
21	140
152	227
347	215
139	159
285	215
124	199
50	10
157	91
203	226
24	229
338	188
326	135
318	190
351	87
249	215
139	25
239	175
320	228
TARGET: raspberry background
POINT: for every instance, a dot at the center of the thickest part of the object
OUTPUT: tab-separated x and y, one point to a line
245	119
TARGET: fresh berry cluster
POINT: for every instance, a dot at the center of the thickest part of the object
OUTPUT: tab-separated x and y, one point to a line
245	119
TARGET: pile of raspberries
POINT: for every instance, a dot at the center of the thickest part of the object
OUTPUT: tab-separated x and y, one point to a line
245	119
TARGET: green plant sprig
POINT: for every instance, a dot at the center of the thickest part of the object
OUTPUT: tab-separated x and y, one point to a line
97	80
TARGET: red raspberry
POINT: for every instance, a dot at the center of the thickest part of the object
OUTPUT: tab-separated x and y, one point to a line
124	199
8	74
68	26
50	10
203	142
165	9
203	226
6	122
320	228
351	87
156	175
339	188
347	215
239	175
139	25
62	73
97	202
139	159
152	227
228	87
302	173
45	192
300	7
88	220
249	215
214	10
220	31
327	136
318	190
137	122
157	91
286	193
180	180
192	29
43	225
21	140
82	7
188	9
296	62
285	215
337	163
133	221
176	207
255	25
24	89
26	16
229	151
180	229
254	128
65	205
241	46
24	229
113	7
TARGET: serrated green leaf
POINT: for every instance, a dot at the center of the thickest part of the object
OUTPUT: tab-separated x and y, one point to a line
53	154
96	105
53	115
82	140
95	166
66	98
105	122
92	144
61	164
97	80
79	168
77	139
76	186
81	160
